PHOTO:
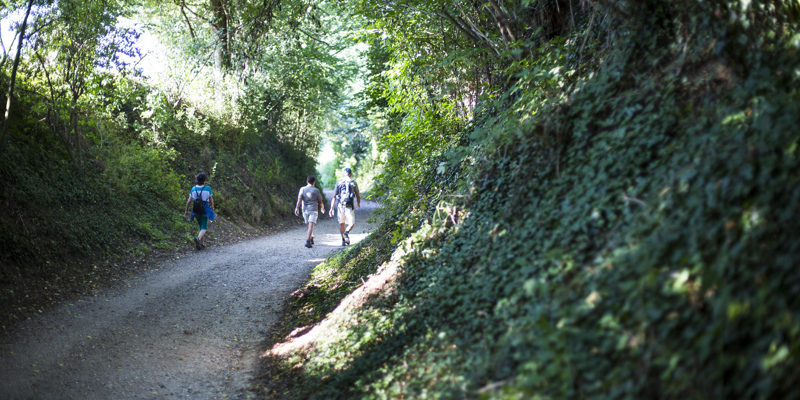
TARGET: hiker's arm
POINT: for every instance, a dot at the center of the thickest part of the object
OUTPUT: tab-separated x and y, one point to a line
188	202
321	205
333	206
211	201
297	206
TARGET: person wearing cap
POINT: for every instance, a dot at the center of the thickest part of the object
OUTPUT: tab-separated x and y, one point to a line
312	200
348	199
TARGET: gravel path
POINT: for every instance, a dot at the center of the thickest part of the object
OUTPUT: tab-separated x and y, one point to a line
192	329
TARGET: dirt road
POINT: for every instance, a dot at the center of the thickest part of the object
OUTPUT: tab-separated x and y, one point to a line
192	329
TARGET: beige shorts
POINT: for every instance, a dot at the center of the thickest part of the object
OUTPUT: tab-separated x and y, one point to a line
310	216
346	216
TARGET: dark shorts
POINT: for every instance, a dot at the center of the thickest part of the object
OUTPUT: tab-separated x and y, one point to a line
202	222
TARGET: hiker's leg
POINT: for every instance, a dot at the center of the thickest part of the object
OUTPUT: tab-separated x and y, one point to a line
308	223
310	230
311	219
341	214
203	224
350	218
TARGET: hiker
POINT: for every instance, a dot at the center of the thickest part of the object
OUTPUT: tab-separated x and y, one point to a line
202	208
345	194
312	200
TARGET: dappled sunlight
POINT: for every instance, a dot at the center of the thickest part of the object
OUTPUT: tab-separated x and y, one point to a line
335	324
328	240
336	239
357	237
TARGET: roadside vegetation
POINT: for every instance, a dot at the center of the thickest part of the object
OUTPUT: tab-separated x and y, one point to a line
582	200
98	154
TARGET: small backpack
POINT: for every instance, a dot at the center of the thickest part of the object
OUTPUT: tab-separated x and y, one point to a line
199	207
347	193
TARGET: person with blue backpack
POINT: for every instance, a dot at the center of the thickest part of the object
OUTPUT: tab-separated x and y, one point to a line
348	198
202	204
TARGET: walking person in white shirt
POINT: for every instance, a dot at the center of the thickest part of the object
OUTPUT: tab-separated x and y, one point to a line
347	197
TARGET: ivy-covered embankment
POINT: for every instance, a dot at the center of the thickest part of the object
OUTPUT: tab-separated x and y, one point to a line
624	227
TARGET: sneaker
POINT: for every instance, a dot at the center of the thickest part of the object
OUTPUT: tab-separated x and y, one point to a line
343	242
308	243
312	240
197	244
202	246
347	237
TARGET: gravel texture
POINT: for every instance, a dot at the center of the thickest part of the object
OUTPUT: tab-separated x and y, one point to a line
192	328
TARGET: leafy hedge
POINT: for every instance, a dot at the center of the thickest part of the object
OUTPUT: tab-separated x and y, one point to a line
636	238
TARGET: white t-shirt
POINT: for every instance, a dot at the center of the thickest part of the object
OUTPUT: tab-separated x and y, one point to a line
201	190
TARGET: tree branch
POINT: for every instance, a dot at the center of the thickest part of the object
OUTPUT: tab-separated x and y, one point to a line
477	31
503	18
194	13
480	40
634	200
17	57
312	37
188	23
588	33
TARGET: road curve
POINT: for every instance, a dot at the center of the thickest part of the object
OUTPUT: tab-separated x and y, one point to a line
192	329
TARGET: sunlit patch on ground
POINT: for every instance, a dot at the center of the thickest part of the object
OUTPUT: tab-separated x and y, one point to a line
332	326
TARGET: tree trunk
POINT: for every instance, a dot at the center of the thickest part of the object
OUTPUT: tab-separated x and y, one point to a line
219	24
75	140
17	57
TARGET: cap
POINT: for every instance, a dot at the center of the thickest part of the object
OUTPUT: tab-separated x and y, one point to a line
348	171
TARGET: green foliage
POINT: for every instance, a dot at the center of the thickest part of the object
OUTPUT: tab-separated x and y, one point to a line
59	216
142	173
619	224
100	159
327	172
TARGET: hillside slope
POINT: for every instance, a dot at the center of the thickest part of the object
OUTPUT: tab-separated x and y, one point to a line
71	220
629	230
